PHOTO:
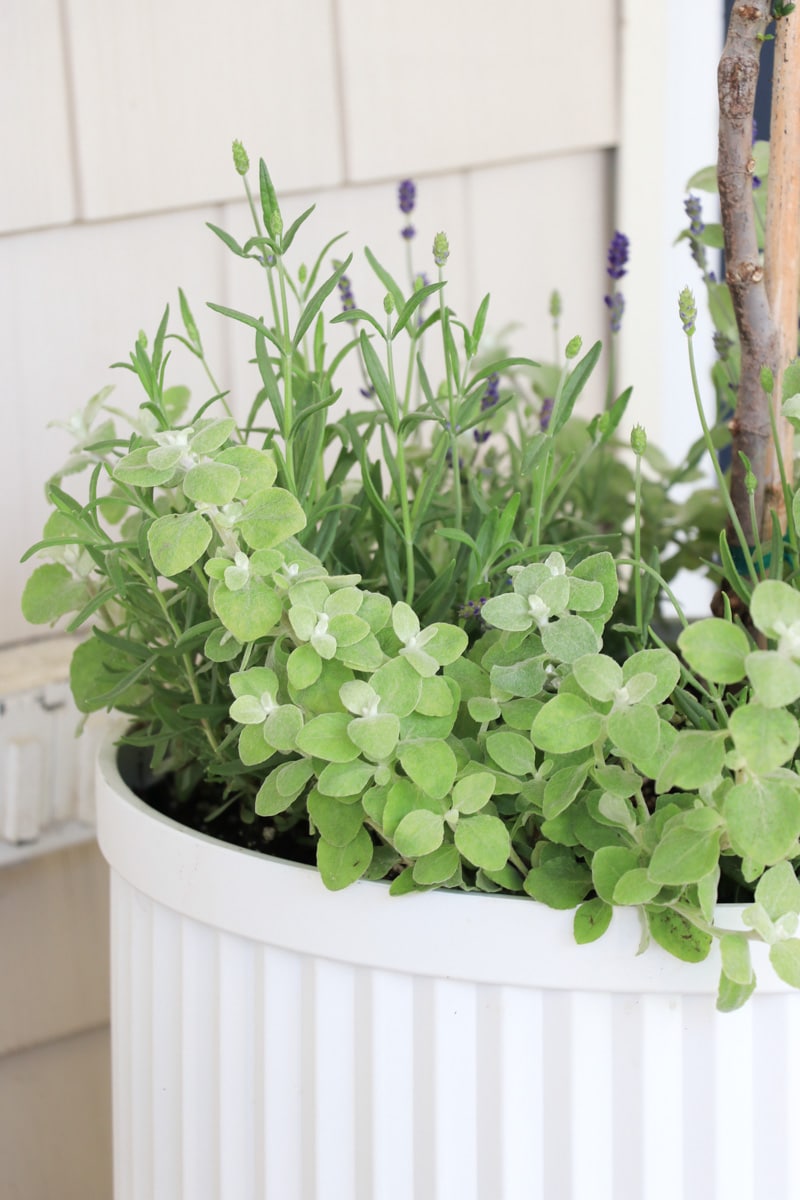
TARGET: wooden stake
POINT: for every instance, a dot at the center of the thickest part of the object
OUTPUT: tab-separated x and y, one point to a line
782	244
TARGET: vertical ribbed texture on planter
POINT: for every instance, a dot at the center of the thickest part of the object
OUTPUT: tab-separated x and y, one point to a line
251	1072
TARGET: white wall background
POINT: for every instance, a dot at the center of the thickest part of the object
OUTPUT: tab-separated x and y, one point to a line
532	129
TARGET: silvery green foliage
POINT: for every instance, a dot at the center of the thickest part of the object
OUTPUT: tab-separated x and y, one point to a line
523	757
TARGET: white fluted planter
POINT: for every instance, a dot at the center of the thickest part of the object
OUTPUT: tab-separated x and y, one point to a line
274	1041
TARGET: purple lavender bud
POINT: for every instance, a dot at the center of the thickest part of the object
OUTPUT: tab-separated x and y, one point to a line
616	306
545	413
481	435
407	196
756	181
345	290
618	255
492	393
722	344
408	232
693	207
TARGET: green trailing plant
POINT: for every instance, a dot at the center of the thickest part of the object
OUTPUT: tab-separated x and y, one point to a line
410	632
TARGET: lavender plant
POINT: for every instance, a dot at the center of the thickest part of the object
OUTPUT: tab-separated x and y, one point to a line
383	622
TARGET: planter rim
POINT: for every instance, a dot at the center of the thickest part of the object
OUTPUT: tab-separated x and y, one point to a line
492	939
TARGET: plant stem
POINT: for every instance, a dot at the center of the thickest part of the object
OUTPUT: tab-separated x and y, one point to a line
286	362
408	532
455	466
729	504
637	543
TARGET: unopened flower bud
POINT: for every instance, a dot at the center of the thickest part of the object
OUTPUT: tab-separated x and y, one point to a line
240	159
638	440
767	380
441	249
688	311
555	305
750	481
574	347
388	304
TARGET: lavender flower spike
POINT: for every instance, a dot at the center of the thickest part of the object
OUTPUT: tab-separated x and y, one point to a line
616	305
406	199
618	255
407	196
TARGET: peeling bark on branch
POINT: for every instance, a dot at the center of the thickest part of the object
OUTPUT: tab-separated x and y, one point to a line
737	77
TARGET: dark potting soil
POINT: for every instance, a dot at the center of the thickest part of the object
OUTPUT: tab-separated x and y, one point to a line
202	813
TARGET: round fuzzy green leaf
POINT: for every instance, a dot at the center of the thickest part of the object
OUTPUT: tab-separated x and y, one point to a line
447	644
270	517
778	890
473	791
210	434
177	541
733	995
736	963
634	731
559	882
716	649
403	797
785	958
431	765
695	759
136	469
439	697
336	823
484	841
592	919
252	747
348	629
677	935
257	469
376	736
292	777
437	867
269	800
609	864
512	752
255	681
340	866
763	817
765	737
249	613
399	687
326	737
303	667
483	709
345	779
50	592
662	665
566	723
684	855
774	605
525	678
211	483
775	679
562	788
247	710
510	612
598	675
405	622
282	727
221	646
635	887
419	832
569	638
